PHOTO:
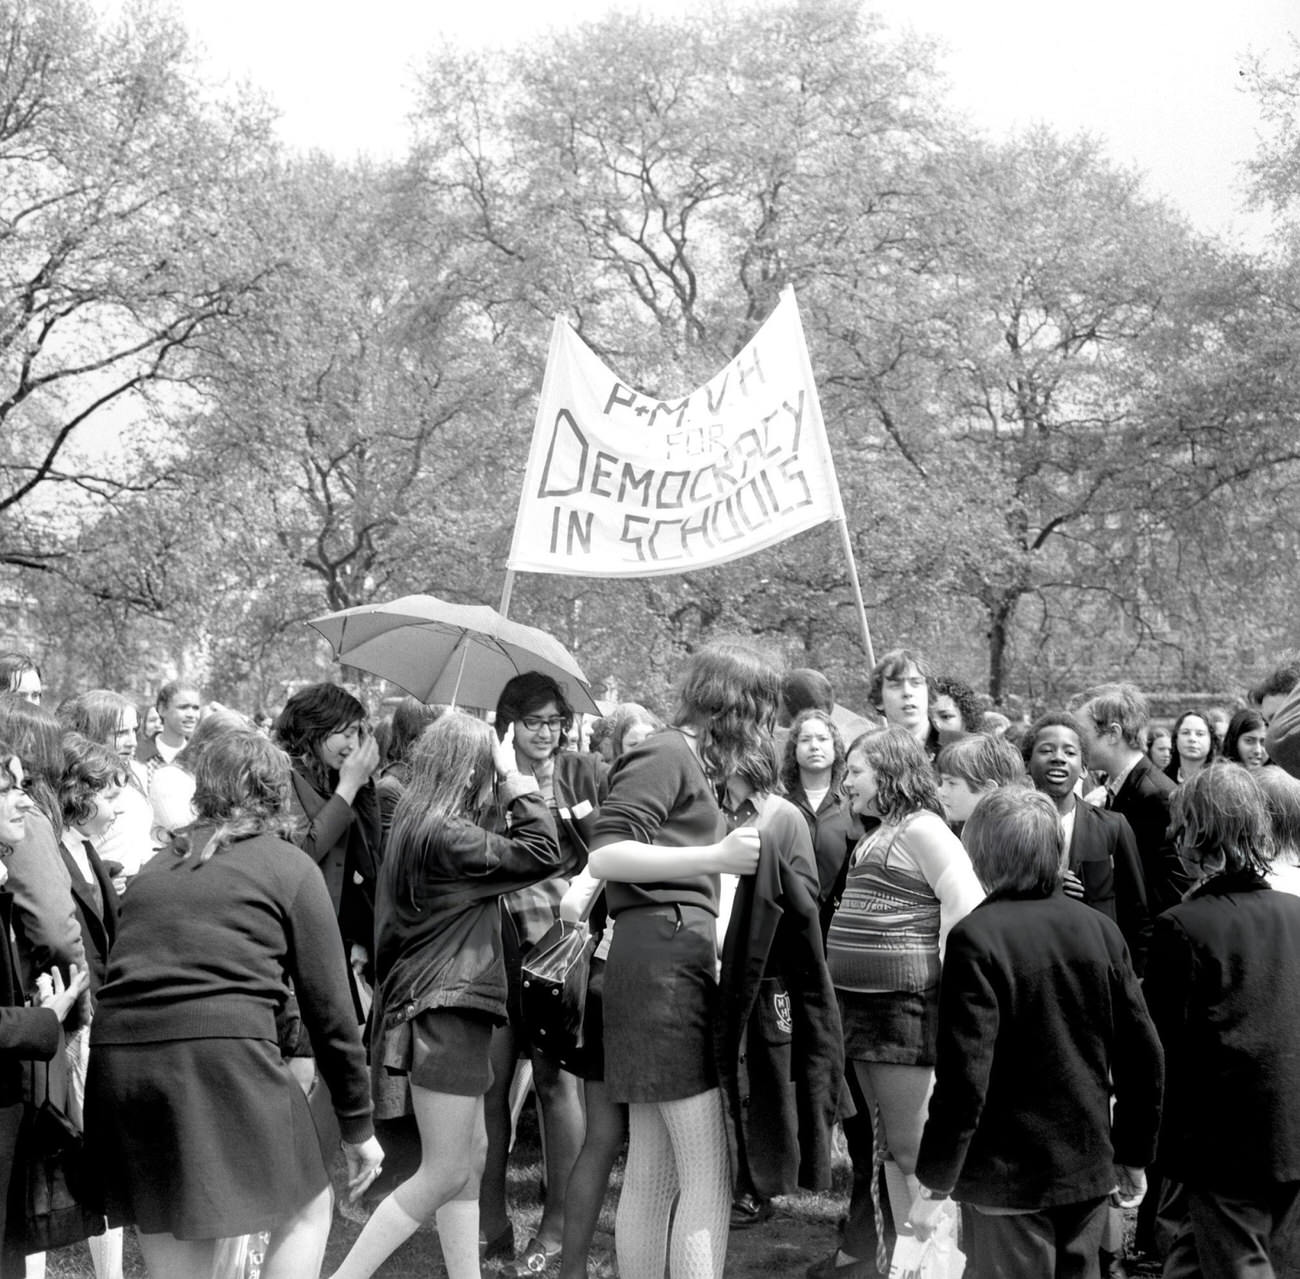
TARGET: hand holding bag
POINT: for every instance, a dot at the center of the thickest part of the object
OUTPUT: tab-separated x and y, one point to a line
935	1257
554	987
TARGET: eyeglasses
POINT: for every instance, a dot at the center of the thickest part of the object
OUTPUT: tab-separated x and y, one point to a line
534	724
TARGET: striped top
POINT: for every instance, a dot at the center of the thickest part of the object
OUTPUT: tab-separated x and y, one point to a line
907	885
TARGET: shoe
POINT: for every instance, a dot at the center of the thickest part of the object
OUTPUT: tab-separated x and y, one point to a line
534	1260
749	1210
1112	1266
499	1246
827	1269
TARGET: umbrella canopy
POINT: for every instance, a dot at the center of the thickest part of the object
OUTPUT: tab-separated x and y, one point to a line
461	654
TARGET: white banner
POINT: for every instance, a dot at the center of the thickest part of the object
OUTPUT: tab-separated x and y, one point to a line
624	485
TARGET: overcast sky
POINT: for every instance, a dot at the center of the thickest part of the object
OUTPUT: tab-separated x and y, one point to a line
1158	79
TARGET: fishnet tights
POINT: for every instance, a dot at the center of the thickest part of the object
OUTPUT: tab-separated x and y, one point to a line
677	1151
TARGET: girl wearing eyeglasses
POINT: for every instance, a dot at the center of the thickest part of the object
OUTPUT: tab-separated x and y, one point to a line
571	783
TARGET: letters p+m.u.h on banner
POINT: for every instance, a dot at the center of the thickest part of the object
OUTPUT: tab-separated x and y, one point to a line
624	485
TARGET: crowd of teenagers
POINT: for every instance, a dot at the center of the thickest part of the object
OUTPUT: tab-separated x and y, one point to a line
1039	972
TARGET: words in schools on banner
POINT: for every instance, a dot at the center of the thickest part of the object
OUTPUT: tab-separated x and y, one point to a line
620	484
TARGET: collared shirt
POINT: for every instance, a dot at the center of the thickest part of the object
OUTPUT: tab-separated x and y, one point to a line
1113	784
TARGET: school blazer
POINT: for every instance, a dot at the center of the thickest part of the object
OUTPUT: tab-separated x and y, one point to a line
777	1038
1104	855
1143	800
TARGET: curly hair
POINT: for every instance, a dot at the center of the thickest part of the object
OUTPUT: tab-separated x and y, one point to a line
790	762
527	693
241	783
1221	821
729	696
964	698
89	768
1049	719
904	778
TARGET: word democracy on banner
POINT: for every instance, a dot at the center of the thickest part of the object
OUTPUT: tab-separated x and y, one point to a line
623	484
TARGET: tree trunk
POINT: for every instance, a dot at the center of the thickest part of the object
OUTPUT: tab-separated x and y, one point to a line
1000	617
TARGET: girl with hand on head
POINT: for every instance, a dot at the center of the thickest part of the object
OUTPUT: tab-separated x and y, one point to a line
533	708
441	974
325	732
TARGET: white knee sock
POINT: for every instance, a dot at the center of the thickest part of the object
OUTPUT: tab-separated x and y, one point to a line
389	1227
458	1235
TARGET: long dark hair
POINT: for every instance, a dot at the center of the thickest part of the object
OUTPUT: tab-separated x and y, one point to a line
729	696
37	739
449	766
1175	760
1243	722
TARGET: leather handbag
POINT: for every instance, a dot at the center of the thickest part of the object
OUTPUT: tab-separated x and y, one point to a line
554	987
53	1167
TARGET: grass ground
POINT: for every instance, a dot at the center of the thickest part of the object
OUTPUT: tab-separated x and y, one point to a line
801	1229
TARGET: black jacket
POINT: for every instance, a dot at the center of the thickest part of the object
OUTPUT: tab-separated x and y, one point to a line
1143	799
778	1040
1221	982
98	929
1103	854
25	1033
1040	1015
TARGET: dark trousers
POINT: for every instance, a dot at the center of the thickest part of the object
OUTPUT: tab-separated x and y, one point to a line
1230	1236
1053	1243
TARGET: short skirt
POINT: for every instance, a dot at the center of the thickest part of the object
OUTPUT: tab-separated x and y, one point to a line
451	1052
659	998
199	1138
898	1028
